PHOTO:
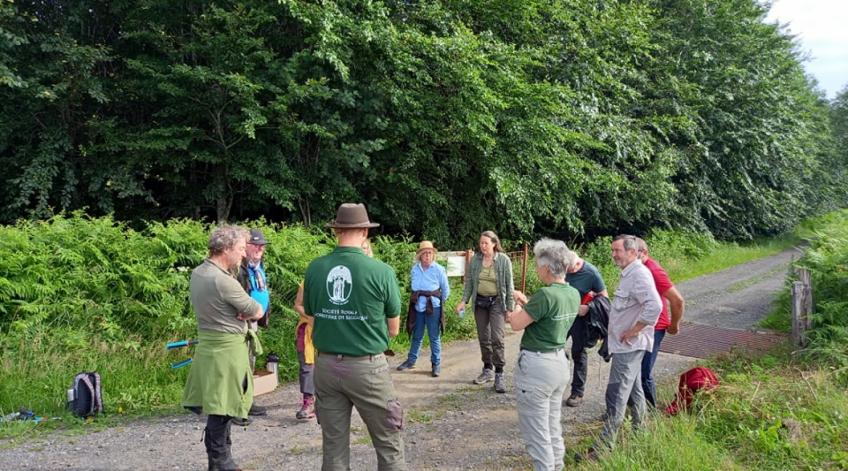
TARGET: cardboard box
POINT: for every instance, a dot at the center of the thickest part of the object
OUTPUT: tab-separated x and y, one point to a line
263	382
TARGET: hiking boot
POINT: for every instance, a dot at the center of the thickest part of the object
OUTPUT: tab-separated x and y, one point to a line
486	376
590	455
307	410
407	365
437	370
574	400
257	410
500	384
241	422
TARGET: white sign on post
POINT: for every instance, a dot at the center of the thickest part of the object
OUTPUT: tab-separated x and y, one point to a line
455	262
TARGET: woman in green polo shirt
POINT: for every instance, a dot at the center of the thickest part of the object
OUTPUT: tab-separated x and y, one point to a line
542	373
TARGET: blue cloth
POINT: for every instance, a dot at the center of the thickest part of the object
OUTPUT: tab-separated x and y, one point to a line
648	385
432	322
433	278
259	285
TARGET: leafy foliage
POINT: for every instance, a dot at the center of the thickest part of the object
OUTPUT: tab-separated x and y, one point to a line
571	117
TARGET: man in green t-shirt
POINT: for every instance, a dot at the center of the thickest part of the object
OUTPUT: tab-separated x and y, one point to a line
354	303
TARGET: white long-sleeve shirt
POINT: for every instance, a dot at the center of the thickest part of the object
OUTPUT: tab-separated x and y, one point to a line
635	299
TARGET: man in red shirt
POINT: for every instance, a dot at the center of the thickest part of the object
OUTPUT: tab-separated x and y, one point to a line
672	301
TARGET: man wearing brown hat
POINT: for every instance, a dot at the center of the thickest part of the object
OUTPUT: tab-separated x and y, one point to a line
354	301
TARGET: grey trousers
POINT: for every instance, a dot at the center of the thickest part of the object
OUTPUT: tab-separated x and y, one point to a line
625	383
307	384
540	382
364	382
490	333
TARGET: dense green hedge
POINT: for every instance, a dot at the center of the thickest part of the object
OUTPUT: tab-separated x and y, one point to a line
571	117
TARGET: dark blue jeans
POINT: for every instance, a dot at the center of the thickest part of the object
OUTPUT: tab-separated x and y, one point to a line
431	321
648	361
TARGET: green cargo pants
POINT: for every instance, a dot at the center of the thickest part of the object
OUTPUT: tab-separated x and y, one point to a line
342	382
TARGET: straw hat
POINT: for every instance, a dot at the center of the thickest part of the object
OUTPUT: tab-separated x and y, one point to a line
425	245
352	216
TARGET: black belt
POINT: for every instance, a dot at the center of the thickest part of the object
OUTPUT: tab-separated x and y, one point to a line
542	351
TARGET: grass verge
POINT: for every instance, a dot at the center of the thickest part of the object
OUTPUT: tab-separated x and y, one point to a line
771	413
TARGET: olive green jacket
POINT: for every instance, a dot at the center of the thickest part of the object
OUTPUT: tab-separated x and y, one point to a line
503	270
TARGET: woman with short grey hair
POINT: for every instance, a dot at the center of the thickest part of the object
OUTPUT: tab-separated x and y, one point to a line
542	372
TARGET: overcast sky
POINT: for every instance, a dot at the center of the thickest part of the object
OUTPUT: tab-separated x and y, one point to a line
822	29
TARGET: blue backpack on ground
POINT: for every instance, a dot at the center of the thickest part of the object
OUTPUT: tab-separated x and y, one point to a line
84	397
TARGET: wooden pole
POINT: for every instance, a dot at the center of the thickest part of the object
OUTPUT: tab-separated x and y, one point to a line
797	335
524	268
805	278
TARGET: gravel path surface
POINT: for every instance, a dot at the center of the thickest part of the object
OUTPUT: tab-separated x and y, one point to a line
450	423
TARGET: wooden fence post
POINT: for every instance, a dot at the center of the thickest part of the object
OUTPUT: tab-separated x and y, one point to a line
805	278
797	314
524	269
802	307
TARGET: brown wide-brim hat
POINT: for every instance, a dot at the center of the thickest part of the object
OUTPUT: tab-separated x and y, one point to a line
352	216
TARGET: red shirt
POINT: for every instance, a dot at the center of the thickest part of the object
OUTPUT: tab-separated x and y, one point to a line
664	284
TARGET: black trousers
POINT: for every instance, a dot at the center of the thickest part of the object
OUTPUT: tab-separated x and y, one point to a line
218	443
579	355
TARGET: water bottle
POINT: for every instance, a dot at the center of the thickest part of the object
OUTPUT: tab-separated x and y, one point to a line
461	313
271	362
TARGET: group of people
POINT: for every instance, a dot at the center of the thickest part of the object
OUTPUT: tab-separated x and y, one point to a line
349	305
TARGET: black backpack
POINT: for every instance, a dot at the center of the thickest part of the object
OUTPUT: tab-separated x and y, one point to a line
84	398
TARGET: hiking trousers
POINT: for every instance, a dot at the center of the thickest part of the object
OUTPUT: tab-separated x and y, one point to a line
343	382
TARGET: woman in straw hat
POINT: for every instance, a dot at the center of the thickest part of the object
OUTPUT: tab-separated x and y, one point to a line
430	289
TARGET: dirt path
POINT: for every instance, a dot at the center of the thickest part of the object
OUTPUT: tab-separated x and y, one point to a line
450	423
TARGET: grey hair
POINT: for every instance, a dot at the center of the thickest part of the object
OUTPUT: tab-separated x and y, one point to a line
553	254
641	245
226	237
630	242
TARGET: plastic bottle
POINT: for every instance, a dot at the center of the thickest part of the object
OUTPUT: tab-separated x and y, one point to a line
461	313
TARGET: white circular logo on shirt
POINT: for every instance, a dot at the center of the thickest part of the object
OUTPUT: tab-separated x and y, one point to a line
339	284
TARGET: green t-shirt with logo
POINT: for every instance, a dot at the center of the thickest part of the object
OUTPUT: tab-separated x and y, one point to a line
553	309
350	295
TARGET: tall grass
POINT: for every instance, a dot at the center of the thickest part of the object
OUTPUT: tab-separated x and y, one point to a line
772	413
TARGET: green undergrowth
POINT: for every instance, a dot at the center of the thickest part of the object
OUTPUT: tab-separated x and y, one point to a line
84	294
777	412
827	260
